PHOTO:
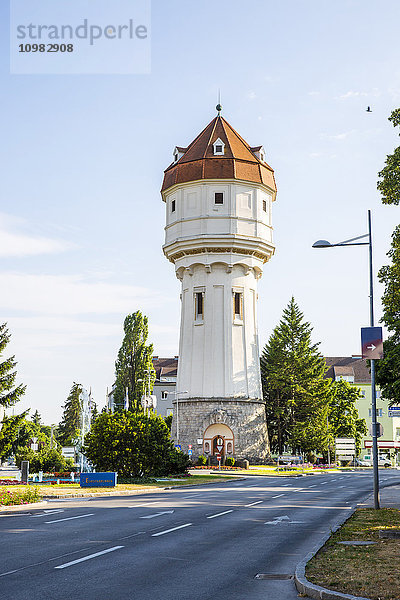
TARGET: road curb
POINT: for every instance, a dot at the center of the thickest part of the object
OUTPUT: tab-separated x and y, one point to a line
17	507
304	586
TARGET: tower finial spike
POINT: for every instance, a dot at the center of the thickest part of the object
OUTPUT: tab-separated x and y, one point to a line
219	107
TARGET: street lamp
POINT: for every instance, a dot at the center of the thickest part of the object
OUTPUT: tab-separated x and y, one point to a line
354	242
177	412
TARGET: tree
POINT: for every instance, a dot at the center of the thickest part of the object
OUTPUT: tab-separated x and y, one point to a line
9	393
134	445
389	177
70	426
343	417
388	368
295	390
48	460
134	367
36	418
17	433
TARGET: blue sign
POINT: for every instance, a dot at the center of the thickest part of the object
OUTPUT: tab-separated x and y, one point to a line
190	452
98	479
371	342
394	411
178	446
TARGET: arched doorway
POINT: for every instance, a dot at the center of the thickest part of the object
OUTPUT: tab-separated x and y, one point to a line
218	439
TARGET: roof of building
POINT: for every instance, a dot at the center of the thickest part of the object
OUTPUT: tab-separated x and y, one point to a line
165	367
337	366
238	162
348	365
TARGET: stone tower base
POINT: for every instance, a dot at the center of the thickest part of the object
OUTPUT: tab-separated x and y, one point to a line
238	425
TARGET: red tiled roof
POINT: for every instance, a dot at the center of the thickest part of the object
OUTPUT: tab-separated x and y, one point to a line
348	365
238	161
165	367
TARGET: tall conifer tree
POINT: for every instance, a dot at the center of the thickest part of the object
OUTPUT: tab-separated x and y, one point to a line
294	387
71	423
9	392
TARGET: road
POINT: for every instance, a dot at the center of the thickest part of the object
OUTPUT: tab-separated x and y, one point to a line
197	543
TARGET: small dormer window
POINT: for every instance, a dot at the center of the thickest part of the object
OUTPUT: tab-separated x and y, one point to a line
259	152
178	153
219	147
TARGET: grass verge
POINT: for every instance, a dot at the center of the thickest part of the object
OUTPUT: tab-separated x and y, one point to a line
72	489
369	571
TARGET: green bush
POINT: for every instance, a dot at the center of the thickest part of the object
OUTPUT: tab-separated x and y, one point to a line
230	461
47	460
202	460
26	496
134	445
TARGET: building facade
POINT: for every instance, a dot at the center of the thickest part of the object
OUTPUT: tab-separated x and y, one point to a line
218	194
354	369
165	384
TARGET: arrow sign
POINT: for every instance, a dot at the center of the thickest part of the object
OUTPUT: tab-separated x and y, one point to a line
165	512
371	342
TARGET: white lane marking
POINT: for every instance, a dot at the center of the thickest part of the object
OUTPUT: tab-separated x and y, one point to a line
143	505
314	485
286	484
333	480
70	518
324	482
253	503
165	512
47	513
341	486
90	556
277	520
278	496
45	561
220	514
169	530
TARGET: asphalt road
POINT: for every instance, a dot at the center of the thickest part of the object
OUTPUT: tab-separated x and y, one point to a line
203	543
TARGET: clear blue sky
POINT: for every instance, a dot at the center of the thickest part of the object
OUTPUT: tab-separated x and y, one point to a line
81	217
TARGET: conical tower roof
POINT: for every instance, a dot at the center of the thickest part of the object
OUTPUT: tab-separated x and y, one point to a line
199	162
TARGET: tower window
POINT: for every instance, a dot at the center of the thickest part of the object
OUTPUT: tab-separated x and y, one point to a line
164	395
173	205
218	198
264	205
219	147
199	306
238	306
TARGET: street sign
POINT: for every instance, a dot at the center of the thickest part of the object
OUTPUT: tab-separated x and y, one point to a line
371	342
379	429
98	479
190	452
345	446
178	446
190	446
218	457
394	411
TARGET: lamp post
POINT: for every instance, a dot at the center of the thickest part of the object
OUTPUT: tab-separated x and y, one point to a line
354	242
177	412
